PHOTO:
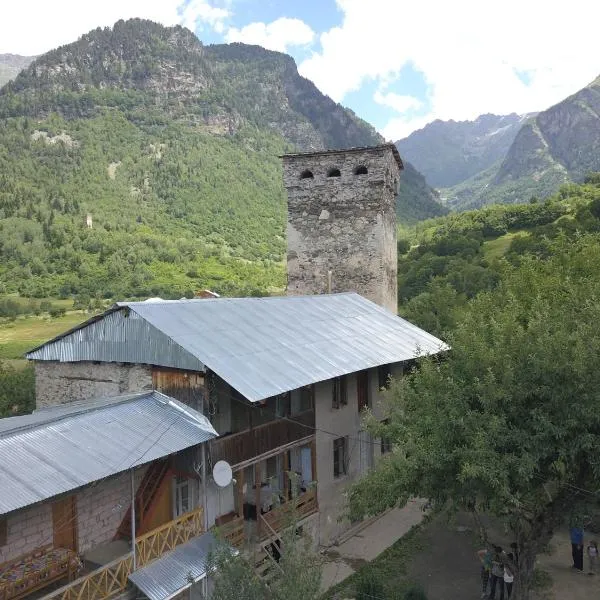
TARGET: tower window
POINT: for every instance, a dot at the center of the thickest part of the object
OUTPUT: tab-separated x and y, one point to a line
308	174
333	173
361	170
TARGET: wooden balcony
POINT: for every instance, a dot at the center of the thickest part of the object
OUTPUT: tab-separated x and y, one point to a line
111	579
237	448
278	518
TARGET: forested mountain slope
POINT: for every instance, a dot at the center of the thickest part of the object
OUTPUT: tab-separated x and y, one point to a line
172	148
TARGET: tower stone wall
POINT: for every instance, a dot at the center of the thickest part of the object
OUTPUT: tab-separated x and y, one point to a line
342	222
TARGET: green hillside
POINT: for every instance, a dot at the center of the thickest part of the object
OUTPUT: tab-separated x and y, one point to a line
172	148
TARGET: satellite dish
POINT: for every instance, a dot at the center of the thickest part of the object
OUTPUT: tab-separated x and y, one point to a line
222	473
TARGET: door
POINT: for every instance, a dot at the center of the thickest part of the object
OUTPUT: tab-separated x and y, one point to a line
64	523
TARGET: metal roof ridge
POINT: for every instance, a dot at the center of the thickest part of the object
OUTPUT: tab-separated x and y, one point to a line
189	411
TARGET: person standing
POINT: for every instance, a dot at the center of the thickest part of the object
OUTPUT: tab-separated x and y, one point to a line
497	576
577	547
485	556
508	577
592	552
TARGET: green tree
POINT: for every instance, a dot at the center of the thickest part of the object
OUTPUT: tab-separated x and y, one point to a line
509	422
296	576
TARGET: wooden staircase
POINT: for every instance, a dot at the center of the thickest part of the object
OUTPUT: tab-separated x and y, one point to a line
145	496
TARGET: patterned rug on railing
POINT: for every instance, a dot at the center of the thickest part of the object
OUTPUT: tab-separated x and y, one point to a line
34	570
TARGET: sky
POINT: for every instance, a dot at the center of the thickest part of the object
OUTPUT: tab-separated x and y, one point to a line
398	65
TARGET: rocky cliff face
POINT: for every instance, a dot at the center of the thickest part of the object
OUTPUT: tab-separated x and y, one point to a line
449	152
11	64
561	143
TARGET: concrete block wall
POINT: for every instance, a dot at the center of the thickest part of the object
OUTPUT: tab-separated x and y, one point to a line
362	448
100	510
27	530
59	383
345	225
102	507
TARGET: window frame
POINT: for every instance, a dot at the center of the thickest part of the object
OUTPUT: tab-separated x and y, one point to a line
384	372
340	457
386	443
339	392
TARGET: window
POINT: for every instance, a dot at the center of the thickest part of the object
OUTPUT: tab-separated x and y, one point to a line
308	174
340	392
384	372
362	389
361	170
3	531
307	398
340	457
333	173
183	496
386	443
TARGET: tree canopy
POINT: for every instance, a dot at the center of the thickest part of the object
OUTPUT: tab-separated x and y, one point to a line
507	422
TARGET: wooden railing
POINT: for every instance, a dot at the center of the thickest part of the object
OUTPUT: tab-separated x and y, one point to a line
107	581
155	543
278	518
111	579
236	448
233	531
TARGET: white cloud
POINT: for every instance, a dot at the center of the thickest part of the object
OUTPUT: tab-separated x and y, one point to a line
196	13
278	35
468	51
399	103
35	26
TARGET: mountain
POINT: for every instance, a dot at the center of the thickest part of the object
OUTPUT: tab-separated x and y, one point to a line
560	144
450	152
171	147
556	146
11	64
417	201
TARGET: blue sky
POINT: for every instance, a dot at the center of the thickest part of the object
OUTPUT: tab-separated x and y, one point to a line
397	65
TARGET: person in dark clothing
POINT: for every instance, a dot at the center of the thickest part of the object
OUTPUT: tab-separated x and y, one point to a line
577	547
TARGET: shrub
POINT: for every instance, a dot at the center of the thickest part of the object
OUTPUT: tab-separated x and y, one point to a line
415	592
369	586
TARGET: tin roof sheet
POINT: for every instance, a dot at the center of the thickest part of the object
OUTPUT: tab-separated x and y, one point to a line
176	570
62	448
264	347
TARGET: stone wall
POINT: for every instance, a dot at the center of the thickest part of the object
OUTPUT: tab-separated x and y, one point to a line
58	382
343	225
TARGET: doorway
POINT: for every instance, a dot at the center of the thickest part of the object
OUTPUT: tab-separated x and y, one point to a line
64	523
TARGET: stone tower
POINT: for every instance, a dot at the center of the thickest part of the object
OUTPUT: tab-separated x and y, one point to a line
342	222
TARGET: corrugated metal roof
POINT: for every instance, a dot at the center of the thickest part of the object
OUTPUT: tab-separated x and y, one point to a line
62	448
115	336
177	570
267	346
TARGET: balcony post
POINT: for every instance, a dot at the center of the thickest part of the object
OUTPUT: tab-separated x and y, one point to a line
257	482
133	542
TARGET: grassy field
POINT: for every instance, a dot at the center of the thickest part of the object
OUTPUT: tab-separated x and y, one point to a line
498	247
19	336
